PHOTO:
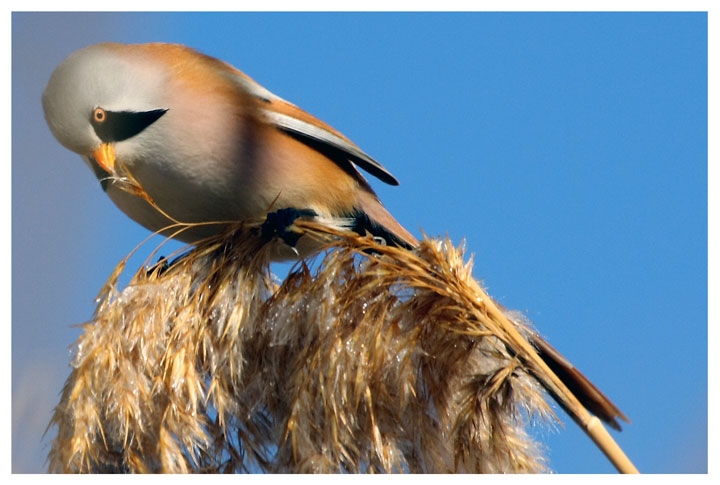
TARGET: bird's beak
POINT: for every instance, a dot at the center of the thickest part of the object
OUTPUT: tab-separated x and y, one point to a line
105	157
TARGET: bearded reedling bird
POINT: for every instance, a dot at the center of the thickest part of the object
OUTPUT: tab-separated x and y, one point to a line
209	144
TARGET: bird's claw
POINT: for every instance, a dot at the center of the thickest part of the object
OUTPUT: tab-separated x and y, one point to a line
278	223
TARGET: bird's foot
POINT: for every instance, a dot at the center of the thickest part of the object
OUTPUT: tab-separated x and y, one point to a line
163	264
277	224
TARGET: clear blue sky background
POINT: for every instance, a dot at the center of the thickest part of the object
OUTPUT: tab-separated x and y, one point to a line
569	150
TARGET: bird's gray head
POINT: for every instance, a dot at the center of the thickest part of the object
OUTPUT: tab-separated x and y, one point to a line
100	94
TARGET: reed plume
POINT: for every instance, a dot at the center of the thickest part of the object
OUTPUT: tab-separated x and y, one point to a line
366	358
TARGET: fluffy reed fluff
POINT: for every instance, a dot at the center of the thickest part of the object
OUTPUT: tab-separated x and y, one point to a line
366	359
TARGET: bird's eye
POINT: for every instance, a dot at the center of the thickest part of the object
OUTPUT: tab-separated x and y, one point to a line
111	126
99	115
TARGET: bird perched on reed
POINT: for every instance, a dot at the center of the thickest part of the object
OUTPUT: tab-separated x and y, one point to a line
186	144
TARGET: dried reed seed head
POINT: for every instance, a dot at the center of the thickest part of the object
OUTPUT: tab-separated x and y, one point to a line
366	358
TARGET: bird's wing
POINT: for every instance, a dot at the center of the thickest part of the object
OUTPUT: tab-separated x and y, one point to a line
311	131
336	148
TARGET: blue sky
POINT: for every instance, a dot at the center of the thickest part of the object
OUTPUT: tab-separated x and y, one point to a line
569	150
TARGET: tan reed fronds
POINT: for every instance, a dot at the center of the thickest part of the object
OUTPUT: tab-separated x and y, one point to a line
366	358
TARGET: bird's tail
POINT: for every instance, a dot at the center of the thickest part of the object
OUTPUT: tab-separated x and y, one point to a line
585	391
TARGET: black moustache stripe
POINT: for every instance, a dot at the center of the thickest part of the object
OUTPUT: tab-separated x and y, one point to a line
121	125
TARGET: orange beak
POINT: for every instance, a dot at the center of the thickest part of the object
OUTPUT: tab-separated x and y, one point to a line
105	157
